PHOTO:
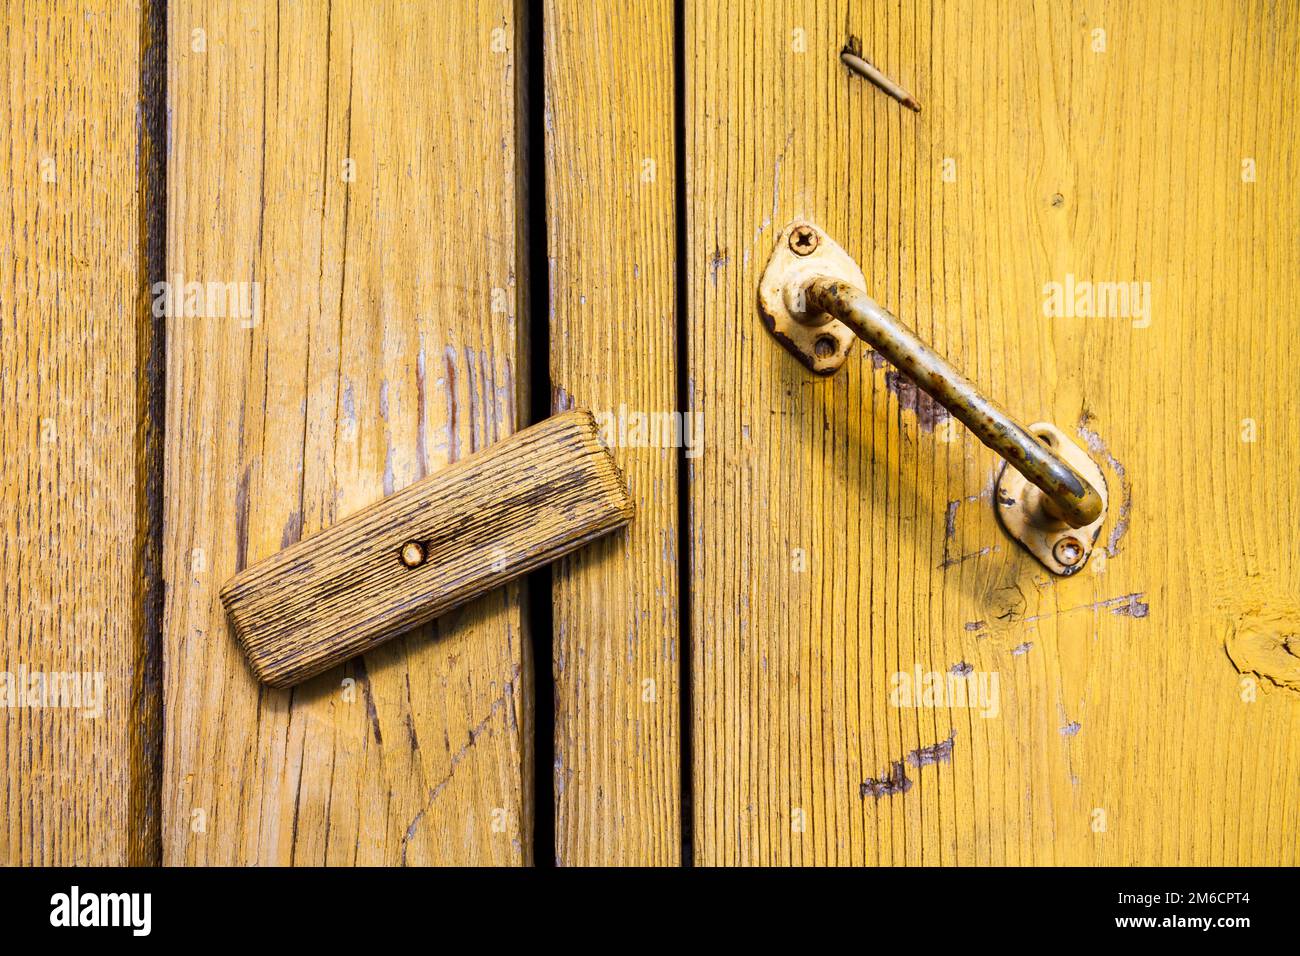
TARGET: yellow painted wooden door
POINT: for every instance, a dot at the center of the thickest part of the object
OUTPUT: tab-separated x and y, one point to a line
842	531
390	233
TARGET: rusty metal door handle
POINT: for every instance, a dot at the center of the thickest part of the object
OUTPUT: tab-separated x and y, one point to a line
813	299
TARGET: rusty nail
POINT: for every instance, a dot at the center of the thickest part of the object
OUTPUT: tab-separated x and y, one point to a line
413	554
803	240
1068	551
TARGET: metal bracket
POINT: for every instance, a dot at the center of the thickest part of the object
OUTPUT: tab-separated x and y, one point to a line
1027	514
821	342
1051	497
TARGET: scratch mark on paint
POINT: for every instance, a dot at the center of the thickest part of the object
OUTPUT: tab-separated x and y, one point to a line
1130	605
474	733
953	562
421	423
241	520
776	187
389	483
453	433
1127	605
950	533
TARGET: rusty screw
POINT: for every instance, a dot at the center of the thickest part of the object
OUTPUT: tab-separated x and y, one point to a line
412	554
1068	551
803	240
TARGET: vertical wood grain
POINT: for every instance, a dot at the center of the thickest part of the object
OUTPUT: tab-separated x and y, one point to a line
358	160
78	532
839	537
610	158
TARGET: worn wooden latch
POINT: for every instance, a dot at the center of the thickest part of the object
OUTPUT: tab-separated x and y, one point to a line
518	504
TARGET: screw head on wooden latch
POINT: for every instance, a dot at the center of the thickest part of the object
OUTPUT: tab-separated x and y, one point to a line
412	554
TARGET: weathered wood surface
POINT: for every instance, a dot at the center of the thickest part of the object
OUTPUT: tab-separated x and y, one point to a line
841	530
358	161
79	582
611	224
357	164
429	548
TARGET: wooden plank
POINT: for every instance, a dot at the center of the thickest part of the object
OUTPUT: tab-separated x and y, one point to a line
79	702
843	532
427	549
357	161
610	183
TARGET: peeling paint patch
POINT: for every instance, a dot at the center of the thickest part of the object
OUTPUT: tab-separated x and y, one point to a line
929	413
940	752
1071	729
962	669
896	781
349	405
1132	607
292	532
561	401
717	262
1021	648
1098	447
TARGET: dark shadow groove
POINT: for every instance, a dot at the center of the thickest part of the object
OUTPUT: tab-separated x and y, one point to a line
537	322
145	728
684	399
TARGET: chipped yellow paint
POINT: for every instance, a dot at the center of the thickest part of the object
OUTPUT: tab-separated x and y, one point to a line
842	530
357	159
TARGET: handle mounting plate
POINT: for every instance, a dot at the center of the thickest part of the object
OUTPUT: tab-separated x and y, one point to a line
820	342
1021	507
